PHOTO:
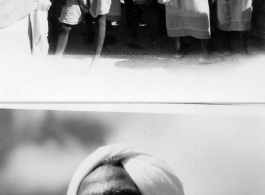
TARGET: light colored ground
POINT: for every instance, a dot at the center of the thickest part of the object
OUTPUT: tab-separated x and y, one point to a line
129	75
133	79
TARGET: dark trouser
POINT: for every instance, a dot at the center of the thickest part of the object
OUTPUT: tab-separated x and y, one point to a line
161	12
129	11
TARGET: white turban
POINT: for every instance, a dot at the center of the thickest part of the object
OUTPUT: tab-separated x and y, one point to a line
151	175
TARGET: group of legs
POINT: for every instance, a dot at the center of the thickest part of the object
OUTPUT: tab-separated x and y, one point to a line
100	23
183	18
134	17
192	18
71	15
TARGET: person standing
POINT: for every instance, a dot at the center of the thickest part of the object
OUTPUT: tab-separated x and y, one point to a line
234	16
134	12
71	15
190	18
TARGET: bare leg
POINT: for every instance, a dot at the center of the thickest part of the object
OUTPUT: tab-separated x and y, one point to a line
100	36
62	39
206	56
204	48
179	54
226	47
243	48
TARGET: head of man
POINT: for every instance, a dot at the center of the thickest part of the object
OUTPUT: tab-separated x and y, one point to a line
122	169
108	178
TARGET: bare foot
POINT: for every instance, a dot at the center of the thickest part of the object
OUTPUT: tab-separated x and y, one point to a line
178	56
211	58
180	53
226	51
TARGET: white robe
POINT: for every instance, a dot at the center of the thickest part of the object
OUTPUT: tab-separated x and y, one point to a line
187	18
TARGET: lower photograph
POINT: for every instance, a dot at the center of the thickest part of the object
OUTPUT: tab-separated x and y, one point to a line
45	152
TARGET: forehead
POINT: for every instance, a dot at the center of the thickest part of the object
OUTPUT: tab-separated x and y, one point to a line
108	180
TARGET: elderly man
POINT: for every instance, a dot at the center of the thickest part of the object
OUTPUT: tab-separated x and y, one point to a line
124	170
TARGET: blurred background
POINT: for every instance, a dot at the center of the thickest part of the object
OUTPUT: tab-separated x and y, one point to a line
211	154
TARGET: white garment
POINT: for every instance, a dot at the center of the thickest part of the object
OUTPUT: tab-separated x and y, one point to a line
71	13
115	11
99	7
173	3
15	39
39	25
151	175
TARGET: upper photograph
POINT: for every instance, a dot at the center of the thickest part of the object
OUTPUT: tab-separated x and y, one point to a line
137	51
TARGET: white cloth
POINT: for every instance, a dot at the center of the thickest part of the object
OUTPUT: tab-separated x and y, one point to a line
39	25
115	11
99	7
71	13
173	3
191	18
151	175
15	39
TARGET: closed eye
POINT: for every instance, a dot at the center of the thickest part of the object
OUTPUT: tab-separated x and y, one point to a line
125	192
120	193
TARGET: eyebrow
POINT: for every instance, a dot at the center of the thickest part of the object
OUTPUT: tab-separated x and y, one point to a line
116	191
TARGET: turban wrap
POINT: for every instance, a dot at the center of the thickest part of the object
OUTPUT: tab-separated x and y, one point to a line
151	175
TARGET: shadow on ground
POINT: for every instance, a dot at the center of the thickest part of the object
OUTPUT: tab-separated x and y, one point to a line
158	50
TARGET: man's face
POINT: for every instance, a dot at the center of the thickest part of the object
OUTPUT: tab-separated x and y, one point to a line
108	180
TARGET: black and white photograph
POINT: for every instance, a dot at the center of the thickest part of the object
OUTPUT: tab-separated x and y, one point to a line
169	51
132	97
48	152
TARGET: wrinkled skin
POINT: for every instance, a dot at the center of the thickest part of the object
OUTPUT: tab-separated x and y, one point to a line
108	180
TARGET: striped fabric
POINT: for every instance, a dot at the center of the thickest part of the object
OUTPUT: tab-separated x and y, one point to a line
234	15
189	18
